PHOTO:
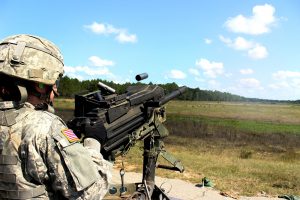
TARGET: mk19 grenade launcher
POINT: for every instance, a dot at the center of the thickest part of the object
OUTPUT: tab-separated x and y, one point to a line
118	121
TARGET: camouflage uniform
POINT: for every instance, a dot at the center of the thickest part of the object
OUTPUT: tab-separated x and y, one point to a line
37	160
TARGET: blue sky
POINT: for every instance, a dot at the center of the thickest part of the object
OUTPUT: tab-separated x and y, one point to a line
249	48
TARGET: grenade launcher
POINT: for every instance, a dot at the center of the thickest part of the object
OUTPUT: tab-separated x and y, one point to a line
120	120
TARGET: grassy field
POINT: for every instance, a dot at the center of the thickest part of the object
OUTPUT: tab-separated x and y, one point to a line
275	113
242	170
244	148
64	104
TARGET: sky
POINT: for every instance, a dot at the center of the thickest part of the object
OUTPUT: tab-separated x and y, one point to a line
248	48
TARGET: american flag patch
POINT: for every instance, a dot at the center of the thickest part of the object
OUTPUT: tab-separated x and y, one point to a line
70	135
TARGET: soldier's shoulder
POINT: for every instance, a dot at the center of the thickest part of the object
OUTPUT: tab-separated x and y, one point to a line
58	130
42	117
38	122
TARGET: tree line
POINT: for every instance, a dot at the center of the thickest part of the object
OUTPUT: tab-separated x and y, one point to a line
68	87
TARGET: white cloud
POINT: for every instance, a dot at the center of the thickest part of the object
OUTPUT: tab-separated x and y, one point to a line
239	43
295	83
289	80
194	72
247	88
250	83
97	67
254	50
246	71
176	74
279	85
213	83
86	70
198	79
281	75
97	28
102	28
207	41
79	77
121	34
242	44
260	22
124	37
69	69
211	69
117	79
258	52
228	75
99	62
288	89
225	40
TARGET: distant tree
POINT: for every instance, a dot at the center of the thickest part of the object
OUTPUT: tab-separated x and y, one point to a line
70	86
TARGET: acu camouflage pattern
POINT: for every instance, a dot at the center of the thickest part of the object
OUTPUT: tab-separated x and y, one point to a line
43	163
31	58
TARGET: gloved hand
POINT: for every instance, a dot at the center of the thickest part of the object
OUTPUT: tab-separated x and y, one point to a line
94	129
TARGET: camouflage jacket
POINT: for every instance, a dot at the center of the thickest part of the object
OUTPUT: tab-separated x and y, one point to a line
38	161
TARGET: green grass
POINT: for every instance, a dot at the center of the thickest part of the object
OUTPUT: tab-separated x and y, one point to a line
67	104
239	125
276	113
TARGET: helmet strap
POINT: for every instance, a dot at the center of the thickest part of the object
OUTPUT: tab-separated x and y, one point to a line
14	93
43	97
44	107
23	93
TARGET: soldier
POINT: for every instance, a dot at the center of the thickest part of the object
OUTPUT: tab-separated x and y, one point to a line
40	158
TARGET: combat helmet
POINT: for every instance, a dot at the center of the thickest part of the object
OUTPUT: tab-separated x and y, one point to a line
30	58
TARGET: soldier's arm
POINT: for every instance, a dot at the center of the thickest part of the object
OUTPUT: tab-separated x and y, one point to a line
66	166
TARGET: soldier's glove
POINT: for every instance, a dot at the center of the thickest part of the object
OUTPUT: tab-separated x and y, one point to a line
94	129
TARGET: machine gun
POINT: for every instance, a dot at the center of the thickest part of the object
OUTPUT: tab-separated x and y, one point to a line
120	120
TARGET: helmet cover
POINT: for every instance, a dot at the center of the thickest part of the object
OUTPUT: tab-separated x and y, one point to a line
31	58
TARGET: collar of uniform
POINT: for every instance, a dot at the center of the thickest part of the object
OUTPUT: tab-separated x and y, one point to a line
29	105
4	105
12	104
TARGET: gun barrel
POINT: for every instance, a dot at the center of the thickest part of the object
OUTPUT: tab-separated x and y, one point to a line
167	98
142	76
172	95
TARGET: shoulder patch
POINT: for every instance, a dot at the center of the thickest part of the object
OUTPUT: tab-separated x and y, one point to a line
70	135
